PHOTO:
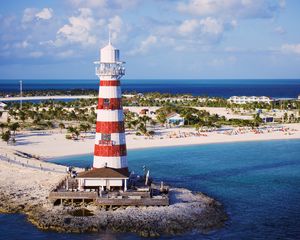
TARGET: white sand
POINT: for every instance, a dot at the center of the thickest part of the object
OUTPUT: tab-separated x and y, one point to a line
26	186
54	144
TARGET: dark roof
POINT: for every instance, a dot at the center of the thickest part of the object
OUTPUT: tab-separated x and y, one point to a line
105	172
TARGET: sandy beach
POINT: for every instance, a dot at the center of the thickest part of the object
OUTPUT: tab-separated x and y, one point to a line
51	144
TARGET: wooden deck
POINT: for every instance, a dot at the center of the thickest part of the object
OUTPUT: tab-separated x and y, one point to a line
164	201
121	199
72	195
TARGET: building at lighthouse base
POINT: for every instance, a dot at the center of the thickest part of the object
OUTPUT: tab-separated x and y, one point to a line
103	179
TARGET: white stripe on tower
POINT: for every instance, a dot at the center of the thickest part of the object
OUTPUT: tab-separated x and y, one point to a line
110	92
116	162
105	115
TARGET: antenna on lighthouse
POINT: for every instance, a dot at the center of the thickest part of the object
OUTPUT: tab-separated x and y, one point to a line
109	33
21	93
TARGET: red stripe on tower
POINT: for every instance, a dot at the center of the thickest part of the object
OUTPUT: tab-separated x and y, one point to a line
110	83
110	127
110	103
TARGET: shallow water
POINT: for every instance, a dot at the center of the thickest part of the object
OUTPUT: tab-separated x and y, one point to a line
258	183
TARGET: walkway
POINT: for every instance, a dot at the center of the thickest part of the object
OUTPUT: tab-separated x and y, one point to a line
33	165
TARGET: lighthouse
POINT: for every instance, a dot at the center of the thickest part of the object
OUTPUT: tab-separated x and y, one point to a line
110	143
110	168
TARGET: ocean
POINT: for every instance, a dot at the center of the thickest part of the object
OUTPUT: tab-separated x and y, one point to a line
283	88
257	182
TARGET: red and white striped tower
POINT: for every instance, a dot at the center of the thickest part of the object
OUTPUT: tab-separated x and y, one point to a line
110	144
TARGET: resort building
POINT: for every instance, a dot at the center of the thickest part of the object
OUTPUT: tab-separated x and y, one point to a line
250	99
174	119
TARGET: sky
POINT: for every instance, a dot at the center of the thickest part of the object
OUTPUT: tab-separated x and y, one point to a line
158	39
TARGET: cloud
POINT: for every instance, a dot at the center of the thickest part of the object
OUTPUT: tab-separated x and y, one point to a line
180	36
78	30
232	8
115	26
28	14
291	48
211	26
280	30
104	4
207	30
84	28
65	54
36	54
218	62
45	14
144	45
88	3
31	14
23	44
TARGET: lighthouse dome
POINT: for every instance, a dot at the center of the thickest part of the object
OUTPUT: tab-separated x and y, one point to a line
109	54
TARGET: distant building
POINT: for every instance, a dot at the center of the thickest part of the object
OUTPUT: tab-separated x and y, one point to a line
144	111
250	99
175	119
267	119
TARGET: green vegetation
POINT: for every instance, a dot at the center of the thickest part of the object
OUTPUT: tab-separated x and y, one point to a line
79	116
139	123
202	118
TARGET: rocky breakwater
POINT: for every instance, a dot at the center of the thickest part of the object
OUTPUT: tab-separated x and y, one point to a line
26	190
187	211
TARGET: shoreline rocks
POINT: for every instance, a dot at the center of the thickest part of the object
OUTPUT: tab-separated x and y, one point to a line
199	213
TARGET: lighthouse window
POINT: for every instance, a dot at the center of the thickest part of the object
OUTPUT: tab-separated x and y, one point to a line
106	102
105	137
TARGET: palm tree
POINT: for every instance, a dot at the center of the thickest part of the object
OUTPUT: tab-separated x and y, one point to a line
22	116
6	136
84	127
144	119
198	126
71	129
14	127
257	120
285	117
74	131
49	124
61	126
142	129
2	126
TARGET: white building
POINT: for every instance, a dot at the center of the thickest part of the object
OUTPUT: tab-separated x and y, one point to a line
2	106
250	99
103	179
175	119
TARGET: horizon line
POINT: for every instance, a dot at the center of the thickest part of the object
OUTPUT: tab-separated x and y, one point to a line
176	79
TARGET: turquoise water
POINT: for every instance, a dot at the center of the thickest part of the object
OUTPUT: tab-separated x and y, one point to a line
258	183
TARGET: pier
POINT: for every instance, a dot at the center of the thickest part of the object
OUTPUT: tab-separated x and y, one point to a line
67	193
